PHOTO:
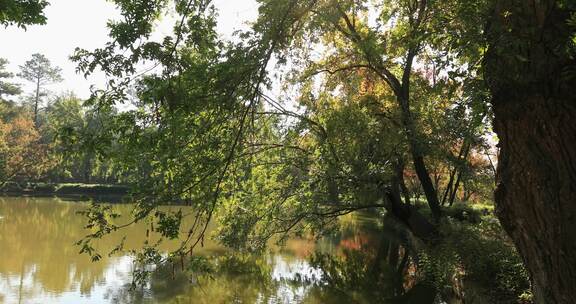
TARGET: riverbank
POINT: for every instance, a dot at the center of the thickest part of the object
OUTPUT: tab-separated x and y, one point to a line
76	191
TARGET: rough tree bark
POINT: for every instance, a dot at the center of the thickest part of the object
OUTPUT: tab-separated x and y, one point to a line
531	72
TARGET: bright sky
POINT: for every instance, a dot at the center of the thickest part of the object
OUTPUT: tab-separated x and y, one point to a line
82	23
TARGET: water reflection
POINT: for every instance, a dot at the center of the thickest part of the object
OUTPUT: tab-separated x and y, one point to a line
361	262
39	263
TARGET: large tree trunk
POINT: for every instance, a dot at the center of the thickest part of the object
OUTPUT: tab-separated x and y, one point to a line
407	214
533	80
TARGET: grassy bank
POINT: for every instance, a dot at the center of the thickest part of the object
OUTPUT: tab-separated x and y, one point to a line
74	190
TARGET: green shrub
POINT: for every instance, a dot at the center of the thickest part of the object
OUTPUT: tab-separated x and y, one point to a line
437	265
44	187
463	212
91	189
11	187
488	261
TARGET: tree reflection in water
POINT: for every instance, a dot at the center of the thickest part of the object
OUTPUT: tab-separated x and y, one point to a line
362	261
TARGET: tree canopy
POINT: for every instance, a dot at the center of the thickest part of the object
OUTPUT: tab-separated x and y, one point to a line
391	92
22	12
323	108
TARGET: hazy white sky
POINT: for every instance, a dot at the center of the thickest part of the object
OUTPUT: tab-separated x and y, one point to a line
82	23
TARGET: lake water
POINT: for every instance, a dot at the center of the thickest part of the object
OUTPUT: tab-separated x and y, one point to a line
39	263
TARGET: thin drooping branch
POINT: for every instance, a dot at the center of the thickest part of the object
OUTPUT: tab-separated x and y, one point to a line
261	75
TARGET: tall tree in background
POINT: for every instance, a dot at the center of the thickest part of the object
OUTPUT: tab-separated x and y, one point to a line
6	88
39	71
531	71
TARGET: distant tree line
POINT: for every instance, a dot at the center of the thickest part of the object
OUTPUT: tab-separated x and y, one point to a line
39	133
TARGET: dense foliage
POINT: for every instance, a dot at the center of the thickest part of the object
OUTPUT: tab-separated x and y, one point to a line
22	12
46	138
322	108
391	110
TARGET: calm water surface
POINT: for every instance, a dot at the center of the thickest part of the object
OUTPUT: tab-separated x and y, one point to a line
39	263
